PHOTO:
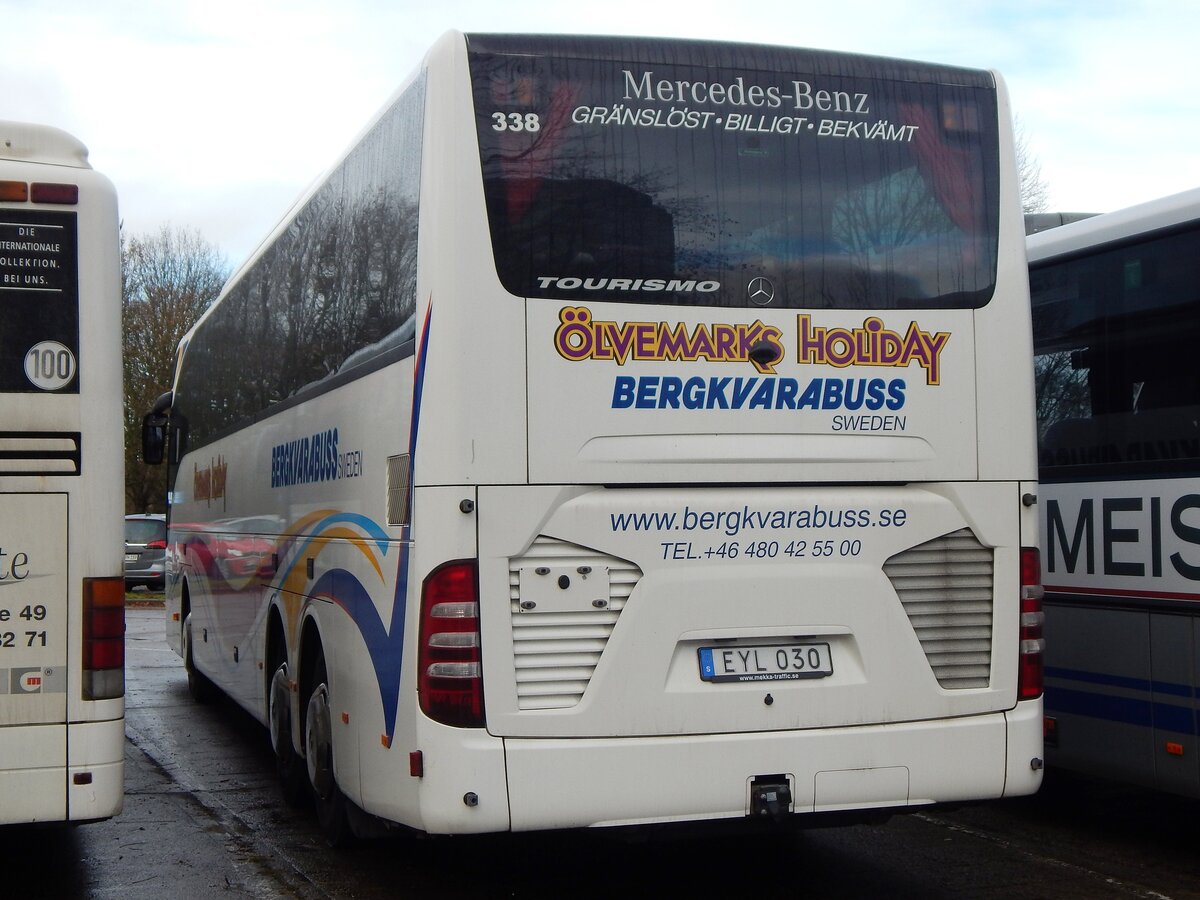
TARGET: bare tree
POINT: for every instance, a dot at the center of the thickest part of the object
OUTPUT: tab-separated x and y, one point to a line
169	279
1035	193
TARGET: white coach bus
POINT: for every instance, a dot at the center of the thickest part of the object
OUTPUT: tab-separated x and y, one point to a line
627	431
62	589
1116	312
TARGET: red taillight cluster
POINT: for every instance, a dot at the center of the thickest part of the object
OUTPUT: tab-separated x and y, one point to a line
449	666
1033	645
157	545
39	192
103	638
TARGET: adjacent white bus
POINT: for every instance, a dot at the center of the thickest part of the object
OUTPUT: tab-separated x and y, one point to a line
62	592
1116	312
627	431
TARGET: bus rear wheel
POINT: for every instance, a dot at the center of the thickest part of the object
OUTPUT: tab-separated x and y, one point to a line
318	746
288	765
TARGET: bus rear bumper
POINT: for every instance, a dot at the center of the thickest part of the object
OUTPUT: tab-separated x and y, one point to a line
642	781
96	774
33	761
39	783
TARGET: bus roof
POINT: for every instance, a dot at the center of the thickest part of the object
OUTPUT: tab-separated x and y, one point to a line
727	54
1114	227
26	142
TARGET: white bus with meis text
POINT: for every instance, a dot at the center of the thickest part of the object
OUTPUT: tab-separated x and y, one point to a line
625	432
1115	311
62	589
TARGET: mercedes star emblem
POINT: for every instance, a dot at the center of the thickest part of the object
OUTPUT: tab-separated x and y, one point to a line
760	291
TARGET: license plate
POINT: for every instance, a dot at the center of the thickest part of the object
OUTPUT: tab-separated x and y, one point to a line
770	662
131	557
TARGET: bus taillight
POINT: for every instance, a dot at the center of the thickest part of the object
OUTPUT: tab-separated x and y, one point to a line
14	191
54	193
103	638
1033	645
449	666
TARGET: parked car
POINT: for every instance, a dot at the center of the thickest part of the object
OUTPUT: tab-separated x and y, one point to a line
145	551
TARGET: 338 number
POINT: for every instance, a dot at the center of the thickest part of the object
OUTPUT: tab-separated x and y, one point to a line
516	122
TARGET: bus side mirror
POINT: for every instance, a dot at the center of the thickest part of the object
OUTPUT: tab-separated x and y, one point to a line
154	438
154	430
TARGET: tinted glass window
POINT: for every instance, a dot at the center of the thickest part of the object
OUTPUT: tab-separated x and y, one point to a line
1115	335
653	172
332	297
143	531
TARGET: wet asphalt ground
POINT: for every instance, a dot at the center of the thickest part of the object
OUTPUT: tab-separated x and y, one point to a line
203	818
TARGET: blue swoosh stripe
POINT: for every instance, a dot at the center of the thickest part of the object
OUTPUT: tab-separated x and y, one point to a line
383	645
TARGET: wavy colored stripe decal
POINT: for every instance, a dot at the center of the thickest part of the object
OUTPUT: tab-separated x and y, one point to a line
419	386
295	549
332	527
395	631
384	644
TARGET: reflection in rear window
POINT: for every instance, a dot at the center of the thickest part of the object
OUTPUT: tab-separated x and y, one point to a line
1115	333
654	172
143	531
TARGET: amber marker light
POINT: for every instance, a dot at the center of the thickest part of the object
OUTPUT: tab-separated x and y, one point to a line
14	191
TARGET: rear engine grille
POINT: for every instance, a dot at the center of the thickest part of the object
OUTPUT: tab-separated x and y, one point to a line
555	652
946	586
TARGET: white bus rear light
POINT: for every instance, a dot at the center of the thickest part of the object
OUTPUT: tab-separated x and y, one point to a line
453	670
454	611
454	639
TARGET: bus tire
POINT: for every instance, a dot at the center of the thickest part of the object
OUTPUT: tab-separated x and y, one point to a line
318	747
199	686
289	767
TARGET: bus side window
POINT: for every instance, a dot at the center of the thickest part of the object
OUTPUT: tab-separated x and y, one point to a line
1164	393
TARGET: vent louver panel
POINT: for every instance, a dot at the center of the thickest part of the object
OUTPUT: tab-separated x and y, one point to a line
399	481
40	452
555	652
945	586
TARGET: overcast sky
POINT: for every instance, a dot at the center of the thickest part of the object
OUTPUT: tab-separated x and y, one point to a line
215	114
